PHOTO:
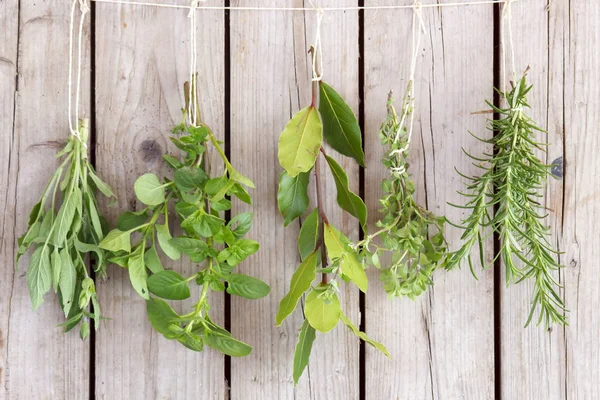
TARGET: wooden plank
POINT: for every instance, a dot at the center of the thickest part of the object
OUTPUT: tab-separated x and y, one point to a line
264	96
40	362
577	22
142	57
9	19
538	354
443	339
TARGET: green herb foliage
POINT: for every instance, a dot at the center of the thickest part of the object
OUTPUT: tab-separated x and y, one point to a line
200	201
64	230
512	180
323	249
413	235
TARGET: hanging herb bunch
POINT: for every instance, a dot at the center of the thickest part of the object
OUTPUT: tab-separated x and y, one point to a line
322	247
410	234
63	239
200	201
512	180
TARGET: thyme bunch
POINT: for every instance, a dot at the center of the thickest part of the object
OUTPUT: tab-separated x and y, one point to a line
512	181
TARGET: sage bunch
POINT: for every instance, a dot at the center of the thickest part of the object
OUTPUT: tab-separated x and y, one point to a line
65	229
512	181
208	240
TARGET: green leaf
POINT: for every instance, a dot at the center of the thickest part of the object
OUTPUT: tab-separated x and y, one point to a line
189	178
238	252
309	234
202	223
300	142
303	348
149	190
64	219
67	282
364	336
241	193
102	187
322	313
299	284
348	200
340	126
188	245
130	220
335	242
138	274
353	270
292	196
160	315
86	248
164	237
237	177
39	275
246	286
55	261
152	260
172	161
240	224
169	285
84	331
227	345
117	240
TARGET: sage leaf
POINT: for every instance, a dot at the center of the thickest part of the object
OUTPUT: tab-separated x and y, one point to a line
322	313
138	274
309	234
299	284
164	237
227	345
346	199
303	348
364	336
340	126
300	141
246	286
149	190
161	315
169	285
39	275
292	196
116	240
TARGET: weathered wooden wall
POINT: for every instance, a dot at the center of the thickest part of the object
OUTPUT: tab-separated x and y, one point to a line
462	340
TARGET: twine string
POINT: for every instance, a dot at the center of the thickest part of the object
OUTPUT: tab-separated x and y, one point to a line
317	69
507	18
84	8
193	100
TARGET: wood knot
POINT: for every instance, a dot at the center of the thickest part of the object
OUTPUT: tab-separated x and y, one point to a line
151	150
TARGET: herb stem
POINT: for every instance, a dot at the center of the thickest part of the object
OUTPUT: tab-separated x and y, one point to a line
322	219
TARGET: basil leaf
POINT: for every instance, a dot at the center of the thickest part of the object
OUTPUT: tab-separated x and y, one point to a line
309	234
227	345
242	223
116	240
160	315
188	245
202	223
303	348
138	274
149	190
364	336
340	126
322	314
39	275
292	196
299	284
238	252
152	260
246	286
300	141
238	191
347	200
237	177
169	285
164	237
132	219
189	178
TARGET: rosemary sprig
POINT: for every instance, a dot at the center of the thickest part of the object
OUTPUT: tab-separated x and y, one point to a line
413	235
512	180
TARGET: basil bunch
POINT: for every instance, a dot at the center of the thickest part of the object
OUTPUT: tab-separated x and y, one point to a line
63	239
207	239
323	248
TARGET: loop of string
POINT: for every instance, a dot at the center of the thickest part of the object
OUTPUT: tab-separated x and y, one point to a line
507	18
418	27
193	100
84	8
317	69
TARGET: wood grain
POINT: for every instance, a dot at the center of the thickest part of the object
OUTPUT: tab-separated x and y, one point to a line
441	341
40	361
142	61
270	81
